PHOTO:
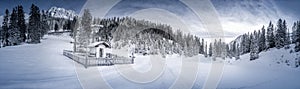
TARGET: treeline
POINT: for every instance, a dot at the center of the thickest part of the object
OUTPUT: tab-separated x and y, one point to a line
278	36
149	38
15	30
63	24
140	36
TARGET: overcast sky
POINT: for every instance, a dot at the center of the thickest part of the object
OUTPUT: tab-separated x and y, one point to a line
290	6
235	15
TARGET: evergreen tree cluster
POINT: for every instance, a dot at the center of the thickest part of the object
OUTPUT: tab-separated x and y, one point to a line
143	37
84	32
13	27
150	38
219	49
296	36
34	28
262	40
15	30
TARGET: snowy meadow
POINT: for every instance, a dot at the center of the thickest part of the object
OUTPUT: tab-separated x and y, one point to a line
62	48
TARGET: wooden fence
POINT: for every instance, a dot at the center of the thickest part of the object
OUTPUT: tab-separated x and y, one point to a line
88	61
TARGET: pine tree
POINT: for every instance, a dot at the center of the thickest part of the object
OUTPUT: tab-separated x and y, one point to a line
297	38
75	33
294	29
228	53
85	29
5	28
13	31
237	52
262	40
73	27
202	47
234	49
210	50
280	35
253	46
270	36
223	50
34	32
258	40
286	33
205	50
21	23
245	44
44	25
214	50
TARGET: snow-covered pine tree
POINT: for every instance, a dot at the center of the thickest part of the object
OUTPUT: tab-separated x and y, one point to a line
245	44
219	48
237	52
258	40
5	28
205	49
223	50
228	53
285	29
210	50
13	31
75	34
253	46
287	39
197	45
297	38
294	29
21	23
85	29
214	50
73	27
280	35
44	25
34	25
202	46
270	36
262	39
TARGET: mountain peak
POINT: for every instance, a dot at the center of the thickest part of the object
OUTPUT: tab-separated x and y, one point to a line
57	12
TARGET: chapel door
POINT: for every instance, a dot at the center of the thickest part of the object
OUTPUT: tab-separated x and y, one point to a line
101	52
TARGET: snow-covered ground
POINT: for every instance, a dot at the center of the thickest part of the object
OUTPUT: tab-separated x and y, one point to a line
263	73
44	66
38	66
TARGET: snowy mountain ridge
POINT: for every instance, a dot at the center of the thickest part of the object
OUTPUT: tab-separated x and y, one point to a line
57	12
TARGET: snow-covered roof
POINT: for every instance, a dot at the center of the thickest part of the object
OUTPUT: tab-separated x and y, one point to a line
96	44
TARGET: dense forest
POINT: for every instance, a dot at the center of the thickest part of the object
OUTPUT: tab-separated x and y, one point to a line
141	36
278	36
15	30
